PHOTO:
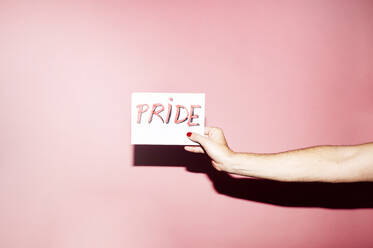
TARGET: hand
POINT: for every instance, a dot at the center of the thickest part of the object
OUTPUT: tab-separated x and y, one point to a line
214	145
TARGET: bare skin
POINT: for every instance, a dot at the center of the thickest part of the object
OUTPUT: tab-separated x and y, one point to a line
314	164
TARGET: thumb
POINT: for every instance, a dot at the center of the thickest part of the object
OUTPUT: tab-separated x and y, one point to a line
202	140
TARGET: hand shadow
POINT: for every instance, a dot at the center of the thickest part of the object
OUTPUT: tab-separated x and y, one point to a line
323	195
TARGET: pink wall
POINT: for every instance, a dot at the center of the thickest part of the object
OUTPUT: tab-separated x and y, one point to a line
277	75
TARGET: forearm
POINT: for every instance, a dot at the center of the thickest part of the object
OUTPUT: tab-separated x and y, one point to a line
322	163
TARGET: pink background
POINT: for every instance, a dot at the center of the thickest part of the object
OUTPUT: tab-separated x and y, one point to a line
277	75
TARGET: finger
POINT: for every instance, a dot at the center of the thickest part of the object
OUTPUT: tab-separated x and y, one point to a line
207	130
195	149
218	135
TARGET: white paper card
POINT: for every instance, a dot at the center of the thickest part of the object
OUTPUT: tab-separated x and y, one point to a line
165	118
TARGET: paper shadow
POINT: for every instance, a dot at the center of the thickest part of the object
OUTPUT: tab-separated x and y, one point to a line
323	195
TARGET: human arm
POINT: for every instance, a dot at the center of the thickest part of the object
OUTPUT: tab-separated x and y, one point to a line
320	163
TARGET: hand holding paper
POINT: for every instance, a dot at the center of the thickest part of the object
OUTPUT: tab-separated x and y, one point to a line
215	145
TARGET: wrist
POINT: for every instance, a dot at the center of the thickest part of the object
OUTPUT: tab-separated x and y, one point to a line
238	164
231	164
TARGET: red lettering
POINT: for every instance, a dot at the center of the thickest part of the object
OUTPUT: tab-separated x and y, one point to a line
141	110
169	111
193	116
154	112
178	107
182	113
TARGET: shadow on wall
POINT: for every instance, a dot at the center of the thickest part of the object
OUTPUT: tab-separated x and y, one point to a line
324	195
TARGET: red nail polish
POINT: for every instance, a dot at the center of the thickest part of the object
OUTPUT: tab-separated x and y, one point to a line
189	134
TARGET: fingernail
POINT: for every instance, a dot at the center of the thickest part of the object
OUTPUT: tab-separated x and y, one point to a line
189	134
